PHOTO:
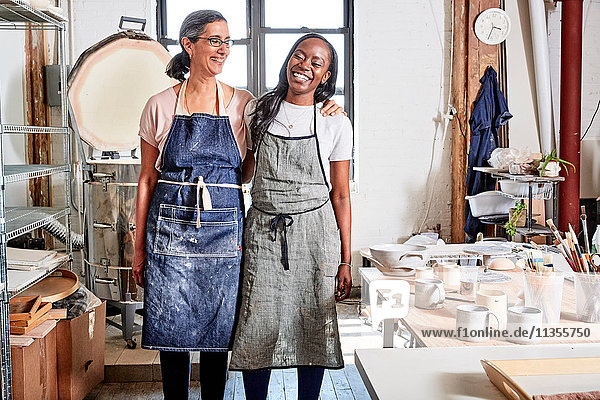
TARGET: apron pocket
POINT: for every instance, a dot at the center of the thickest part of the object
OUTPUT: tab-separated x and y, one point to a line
177	235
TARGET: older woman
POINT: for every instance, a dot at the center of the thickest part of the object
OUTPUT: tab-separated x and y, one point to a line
190	210
297	235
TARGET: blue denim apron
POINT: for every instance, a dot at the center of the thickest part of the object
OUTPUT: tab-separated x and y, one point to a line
194	236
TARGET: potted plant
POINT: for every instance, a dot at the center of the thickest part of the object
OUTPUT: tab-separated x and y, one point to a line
550	164
513	218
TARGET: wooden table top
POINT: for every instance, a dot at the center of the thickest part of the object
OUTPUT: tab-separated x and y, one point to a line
444	318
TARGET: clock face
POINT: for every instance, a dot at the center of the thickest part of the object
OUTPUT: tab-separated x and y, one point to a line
492	26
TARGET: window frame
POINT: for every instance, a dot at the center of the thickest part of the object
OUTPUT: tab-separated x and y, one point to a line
255	44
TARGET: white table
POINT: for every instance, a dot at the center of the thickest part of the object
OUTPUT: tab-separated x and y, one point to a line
453	373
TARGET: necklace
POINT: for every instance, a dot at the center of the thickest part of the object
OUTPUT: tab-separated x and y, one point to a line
291	123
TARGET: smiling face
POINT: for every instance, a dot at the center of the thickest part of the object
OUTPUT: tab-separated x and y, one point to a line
308	67
204	58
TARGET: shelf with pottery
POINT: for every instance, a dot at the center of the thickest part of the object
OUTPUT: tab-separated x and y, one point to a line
537	187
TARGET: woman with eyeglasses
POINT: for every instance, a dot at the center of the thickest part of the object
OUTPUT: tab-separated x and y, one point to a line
190	210
297	233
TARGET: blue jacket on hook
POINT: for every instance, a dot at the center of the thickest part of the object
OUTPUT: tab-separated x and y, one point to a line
490	111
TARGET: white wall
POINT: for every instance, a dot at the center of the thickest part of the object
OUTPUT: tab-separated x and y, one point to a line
93	20
590	94
402	62
12	83
523	127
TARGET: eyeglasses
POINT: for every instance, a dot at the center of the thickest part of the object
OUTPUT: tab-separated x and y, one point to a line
216	42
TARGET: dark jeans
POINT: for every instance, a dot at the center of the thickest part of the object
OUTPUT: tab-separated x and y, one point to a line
175	368
256	383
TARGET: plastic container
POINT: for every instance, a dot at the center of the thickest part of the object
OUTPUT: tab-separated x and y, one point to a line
521	189
468	280
490	203
587	297
544	292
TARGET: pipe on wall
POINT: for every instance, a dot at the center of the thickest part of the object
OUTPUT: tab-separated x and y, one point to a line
570	110
539	34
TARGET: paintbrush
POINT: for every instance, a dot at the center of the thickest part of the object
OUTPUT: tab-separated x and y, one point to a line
571	251
581	259
585	231
577	249
556	232
560	239
562	251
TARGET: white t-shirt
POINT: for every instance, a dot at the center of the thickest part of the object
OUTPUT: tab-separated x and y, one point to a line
334	133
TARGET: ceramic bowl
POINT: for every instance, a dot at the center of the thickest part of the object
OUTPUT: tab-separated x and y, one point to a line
394	255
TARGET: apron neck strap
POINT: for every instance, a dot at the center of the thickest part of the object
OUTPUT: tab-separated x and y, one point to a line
180	108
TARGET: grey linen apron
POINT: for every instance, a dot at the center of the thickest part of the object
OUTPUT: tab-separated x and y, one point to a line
291	254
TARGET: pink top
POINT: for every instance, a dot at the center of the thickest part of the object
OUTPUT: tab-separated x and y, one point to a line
158	113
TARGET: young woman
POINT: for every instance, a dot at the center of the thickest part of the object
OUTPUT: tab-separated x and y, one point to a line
300	213
189	210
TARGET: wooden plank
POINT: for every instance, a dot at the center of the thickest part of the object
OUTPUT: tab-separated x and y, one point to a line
341	384
40	331
94	393
327	390
471	58
356	383
21	330
109	391
41	312
459	124
38	145
549	366
194	393
23	307
20	341
290	383
238	387
230	385
276	391
137	356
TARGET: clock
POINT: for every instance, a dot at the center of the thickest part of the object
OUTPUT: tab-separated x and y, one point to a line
492	26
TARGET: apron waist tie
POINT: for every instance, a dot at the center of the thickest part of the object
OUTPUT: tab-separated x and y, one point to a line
287	221
202	187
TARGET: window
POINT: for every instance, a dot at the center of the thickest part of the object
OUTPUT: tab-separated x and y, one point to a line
263	32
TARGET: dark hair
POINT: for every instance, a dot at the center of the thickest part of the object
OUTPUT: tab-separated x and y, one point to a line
192	27
269	104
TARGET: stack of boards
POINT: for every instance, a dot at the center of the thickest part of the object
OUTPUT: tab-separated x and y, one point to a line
27	312
28	260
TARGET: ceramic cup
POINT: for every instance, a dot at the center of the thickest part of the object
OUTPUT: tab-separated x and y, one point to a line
424	273
496	301
429	293
473	322
520	322
450	274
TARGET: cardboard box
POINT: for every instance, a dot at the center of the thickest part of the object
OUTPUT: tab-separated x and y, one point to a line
80	352
33	362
